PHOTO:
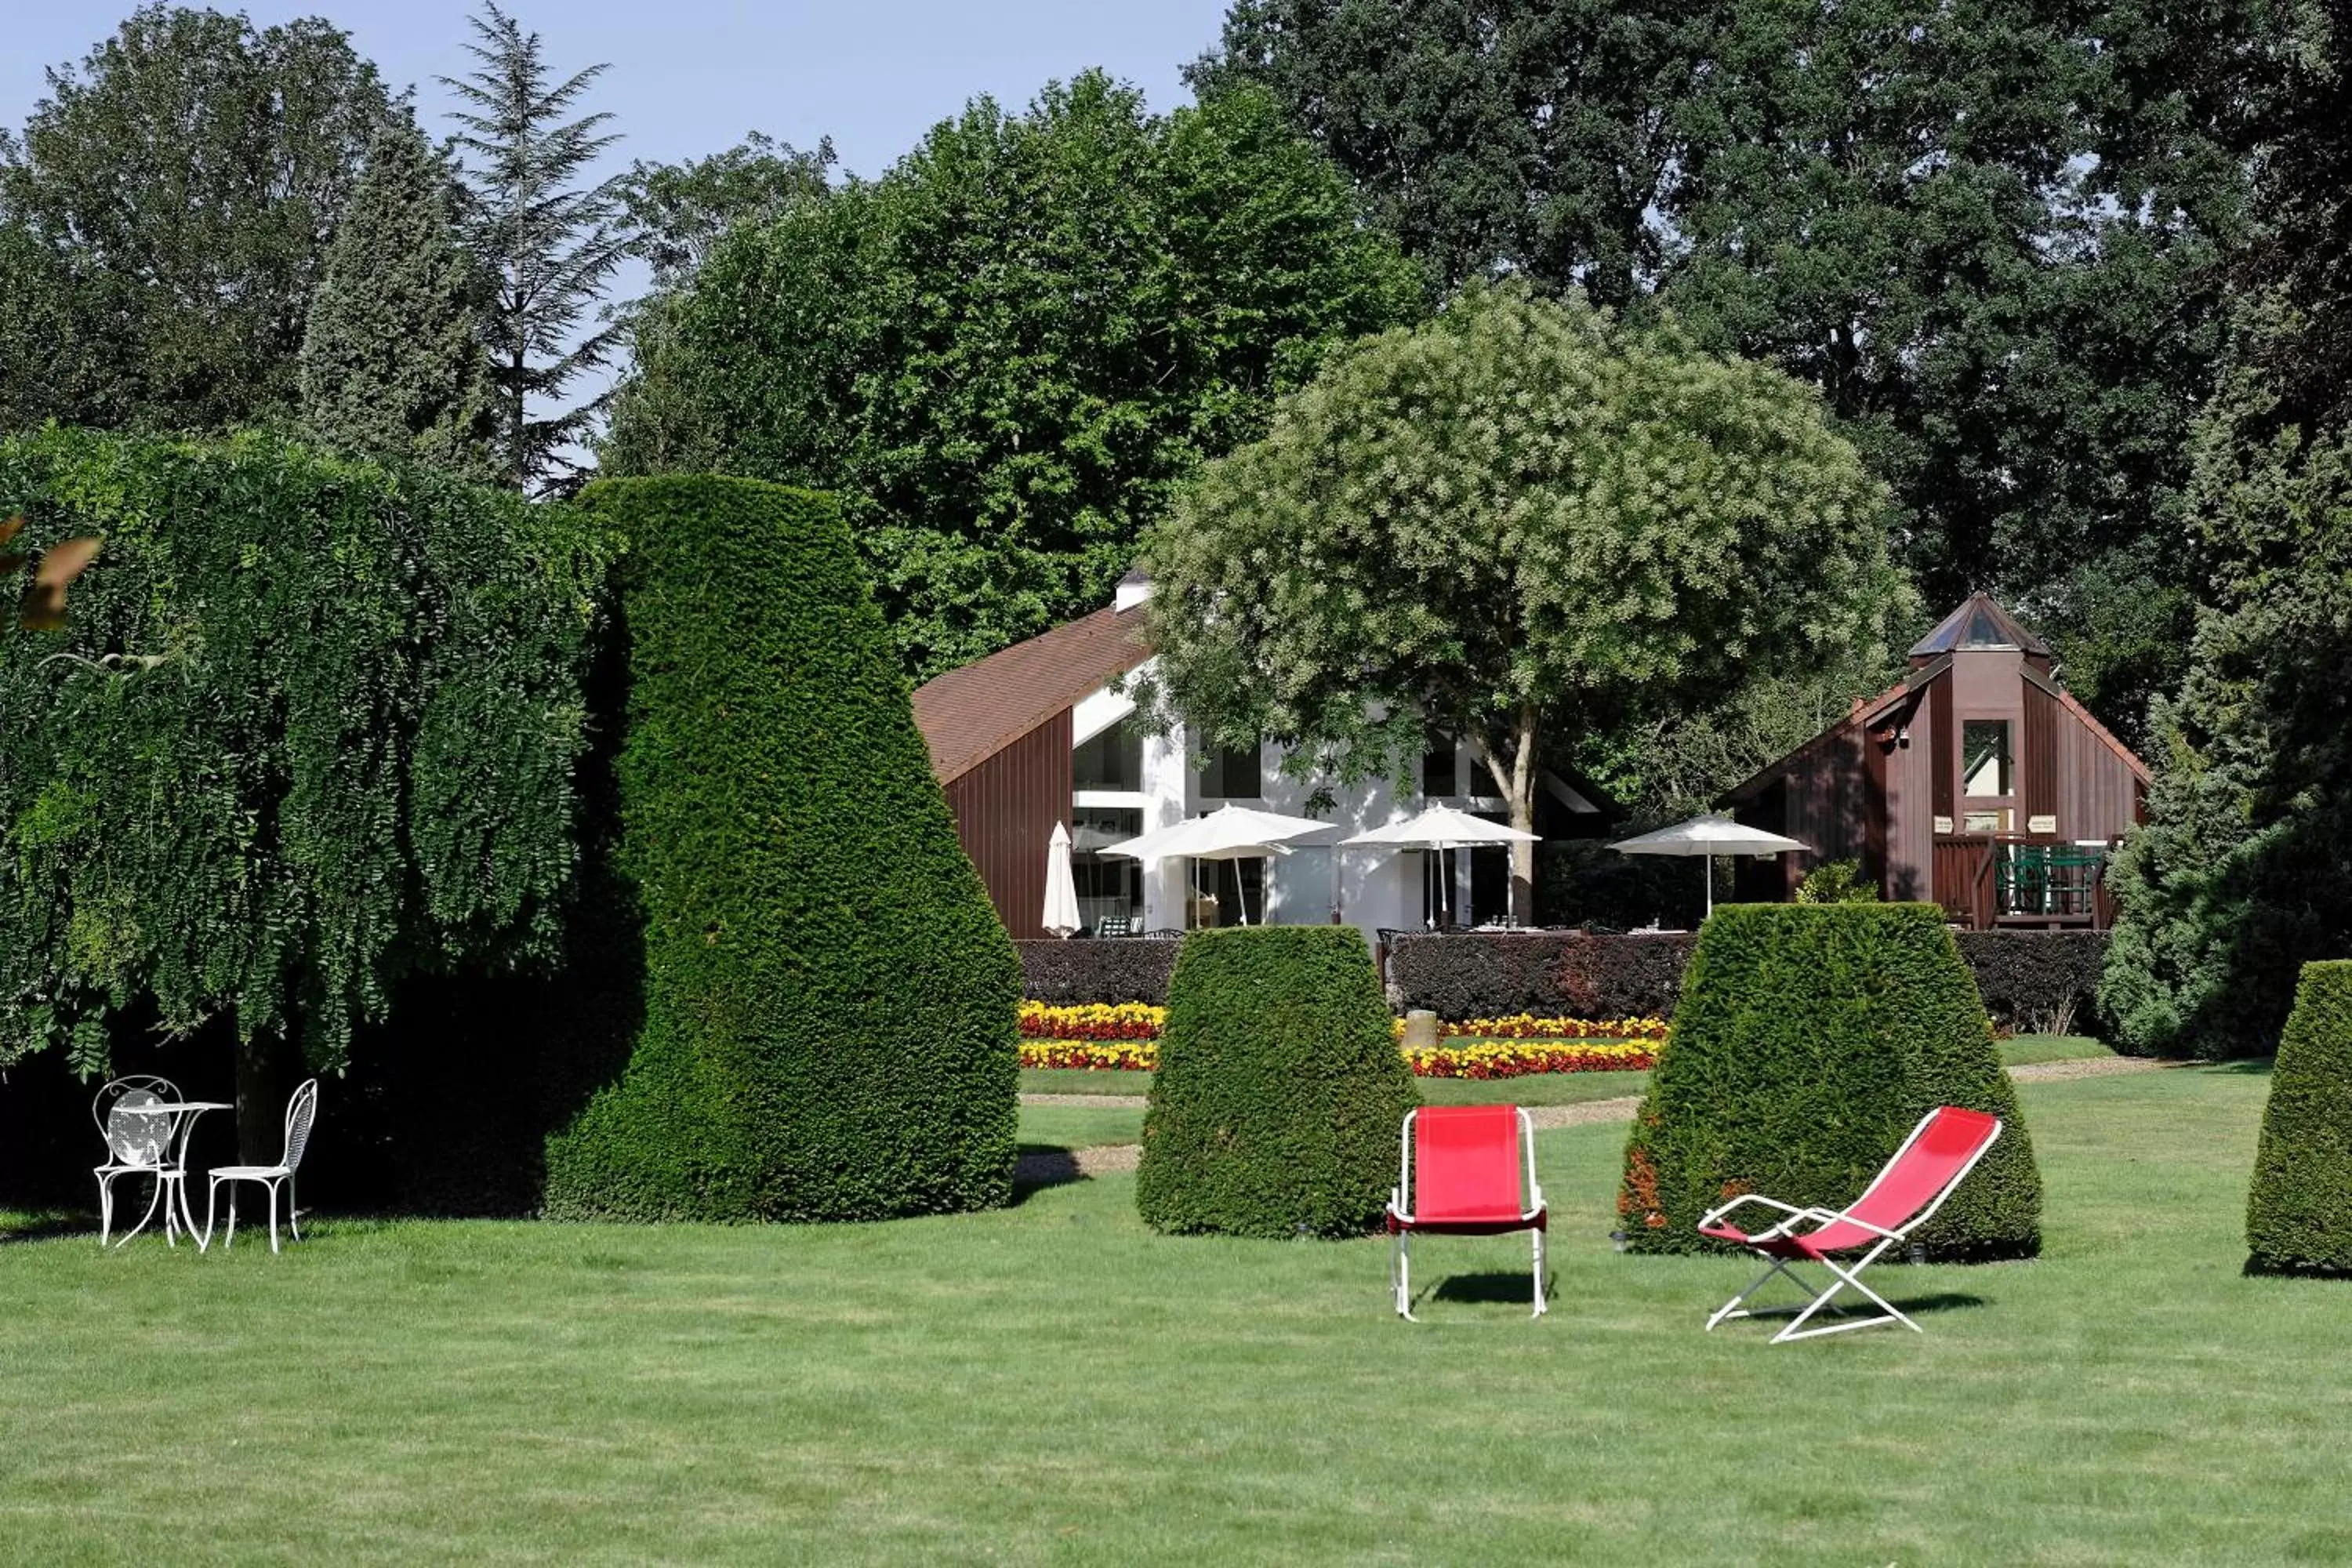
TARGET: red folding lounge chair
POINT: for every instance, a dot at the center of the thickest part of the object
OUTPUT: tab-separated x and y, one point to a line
1461	1177
1937	1156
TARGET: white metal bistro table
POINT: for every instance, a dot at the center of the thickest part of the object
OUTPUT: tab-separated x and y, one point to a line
172	1172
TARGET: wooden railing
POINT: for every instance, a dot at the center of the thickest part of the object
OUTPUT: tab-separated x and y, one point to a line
1988	879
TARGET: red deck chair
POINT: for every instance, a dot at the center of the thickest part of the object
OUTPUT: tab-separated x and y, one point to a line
1937	1156
1460	1176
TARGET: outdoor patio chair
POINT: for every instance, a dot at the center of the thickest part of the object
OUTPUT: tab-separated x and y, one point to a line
299	1111
1934	1159
136	1145
1460	1168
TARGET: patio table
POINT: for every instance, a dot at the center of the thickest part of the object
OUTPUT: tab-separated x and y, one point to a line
171	1170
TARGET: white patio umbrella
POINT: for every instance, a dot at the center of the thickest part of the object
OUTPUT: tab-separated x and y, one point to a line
1441	827
1228	833
1708	836
1061	887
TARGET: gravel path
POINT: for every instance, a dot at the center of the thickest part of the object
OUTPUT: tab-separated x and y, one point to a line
1068	1165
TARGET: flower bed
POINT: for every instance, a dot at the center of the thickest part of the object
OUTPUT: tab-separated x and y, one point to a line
1528	1026
1142	1021
1091	1021
1504	1059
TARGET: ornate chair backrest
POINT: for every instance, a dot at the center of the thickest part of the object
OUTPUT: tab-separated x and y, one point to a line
299	1111
132	1139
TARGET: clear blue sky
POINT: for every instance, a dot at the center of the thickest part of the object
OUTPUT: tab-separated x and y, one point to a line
690	77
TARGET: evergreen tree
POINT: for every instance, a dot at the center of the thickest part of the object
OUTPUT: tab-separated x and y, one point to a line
2243	871
390	364
549	244
164	219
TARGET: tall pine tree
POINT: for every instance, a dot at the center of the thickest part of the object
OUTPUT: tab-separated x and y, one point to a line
548	242
391	362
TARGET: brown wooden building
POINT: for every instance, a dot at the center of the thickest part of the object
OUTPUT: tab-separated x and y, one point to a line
1976	782
1000	734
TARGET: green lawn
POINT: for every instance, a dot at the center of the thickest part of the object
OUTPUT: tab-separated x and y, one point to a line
2023	1049
1053	1383
1079	1126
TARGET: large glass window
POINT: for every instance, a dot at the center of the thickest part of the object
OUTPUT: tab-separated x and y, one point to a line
1439	771
1986	760
1111	761
1110	887
1232	775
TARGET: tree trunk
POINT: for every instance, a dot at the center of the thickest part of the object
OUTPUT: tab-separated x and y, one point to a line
260	1102
1519	785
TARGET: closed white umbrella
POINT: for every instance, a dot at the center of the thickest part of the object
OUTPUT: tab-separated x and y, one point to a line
1708	836
1061	887
1441	827
1229	833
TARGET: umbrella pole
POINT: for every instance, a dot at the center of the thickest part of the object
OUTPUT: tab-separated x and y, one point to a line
1706	870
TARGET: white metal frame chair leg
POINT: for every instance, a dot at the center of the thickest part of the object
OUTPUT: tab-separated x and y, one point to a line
300	1111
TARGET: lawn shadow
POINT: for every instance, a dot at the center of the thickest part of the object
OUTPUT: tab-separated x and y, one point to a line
47	1228
1511	1286
1038	1166
1911	1307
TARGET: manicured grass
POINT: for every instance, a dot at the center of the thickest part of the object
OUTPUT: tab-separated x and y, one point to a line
1078	1127
1055	1384
2023	1049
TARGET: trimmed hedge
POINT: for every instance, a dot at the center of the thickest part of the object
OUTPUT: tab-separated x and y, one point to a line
1116	969
2031	980
829	1003
2037	981
1809	1040
2299	1212
1280	1089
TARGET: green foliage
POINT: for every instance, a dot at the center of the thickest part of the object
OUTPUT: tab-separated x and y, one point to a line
2243	871
548	244
678	211
2299	1212
1836	882
1522	516
313	728
830	1007
1992	233
391	366
164	216
1807	1043
1007	353
1280	1089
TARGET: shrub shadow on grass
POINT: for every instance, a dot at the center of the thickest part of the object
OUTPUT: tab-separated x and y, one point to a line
1041	1165
1850	1305
47	1228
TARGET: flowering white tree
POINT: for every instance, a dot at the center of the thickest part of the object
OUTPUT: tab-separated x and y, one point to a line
1519	517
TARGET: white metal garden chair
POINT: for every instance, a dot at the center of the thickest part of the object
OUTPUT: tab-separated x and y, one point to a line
299	1111
137	1144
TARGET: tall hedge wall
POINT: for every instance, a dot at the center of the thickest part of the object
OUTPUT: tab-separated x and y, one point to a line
2299	1212
1809	1040
1116	969
829	1005
1280	1090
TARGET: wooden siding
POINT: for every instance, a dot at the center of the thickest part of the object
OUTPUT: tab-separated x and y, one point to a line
1005	809
2039	761
1943	747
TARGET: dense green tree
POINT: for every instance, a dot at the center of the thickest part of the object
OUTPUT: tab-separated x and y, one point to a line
164	220
1989	231
313	728
392	366
678	211
550	244
1006	352
1519	519
2243	871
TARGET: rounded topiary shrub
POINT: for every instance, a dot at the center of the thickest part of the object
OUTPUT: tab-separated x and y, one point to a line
829	1010
1280	1089
1809	1039
2299	1215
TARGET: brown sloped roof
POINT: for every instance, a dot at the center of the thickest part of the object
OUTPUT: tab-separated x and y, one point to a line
969	715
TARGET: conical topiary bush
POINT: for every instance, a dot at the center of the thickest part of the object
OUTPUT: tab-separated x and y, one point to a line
2299	1213
1280	1089
829	1026
1807	1043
